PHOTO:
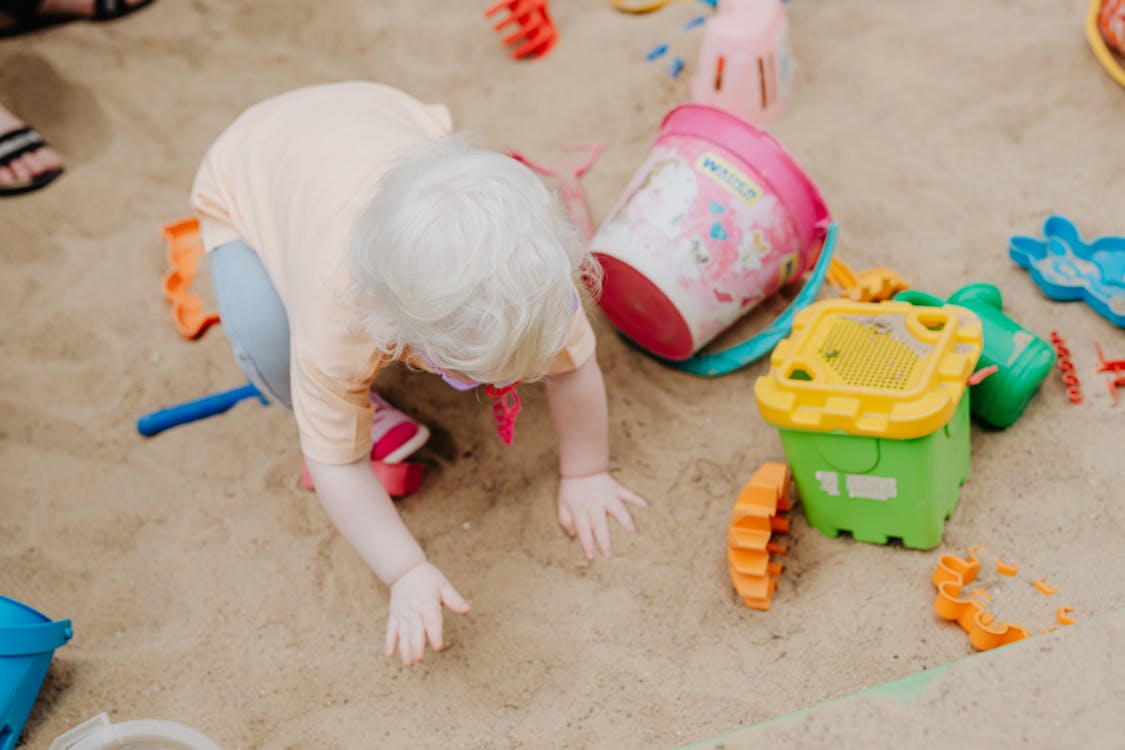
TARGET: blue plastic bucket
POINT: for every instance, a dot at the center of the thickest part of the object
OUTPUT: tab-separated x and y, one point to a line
28	640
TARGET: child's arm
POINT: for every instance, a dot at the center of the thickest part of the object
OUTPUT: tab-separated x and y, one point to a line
588	495
363	512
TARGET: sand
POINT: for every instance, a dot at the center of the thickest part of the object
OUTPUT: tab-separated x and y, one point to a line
207	587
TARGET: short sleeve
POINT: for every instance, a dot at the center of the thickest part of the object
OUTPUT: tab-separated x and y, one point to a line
580	345
333	414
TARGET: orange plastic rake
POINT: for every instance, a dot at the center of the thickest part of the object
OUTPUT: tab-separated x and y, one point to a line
185	252
535	33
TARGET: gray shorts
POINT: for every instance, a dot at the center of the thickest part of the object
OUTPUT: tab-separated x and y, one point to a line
253	317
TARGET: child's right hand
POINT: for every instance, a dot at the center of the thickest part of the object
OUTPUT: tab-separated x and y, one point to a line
415	614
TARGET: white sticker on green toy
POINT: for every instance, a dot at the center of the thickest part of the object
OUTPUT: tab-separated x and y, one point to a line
829	482
872	488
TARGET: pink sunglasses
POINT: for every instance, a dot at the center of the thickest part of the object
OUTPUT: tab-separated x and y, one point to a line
468	385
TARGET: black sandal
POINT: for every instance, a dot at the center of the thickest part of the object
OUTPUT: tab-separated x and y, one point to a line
16	143
107	10
28	18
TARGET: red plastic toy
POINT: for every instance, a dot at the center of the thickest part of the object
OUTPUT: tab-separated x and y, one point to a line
1070	377
1117	367
982	373
1108	365
535	33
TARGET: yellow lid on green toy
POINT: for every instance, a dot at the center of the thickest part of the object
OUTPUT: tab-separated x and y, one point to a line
885	369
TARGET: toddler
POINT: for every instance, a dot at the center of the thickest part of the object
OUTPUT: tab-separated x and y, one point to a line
346	230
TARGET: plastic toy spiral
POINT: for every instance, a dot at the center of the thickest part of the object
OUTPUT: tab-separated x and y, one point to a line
1069	376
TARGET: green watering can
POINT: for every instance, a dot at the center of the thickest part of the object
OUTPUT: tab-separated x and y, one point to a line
1022	359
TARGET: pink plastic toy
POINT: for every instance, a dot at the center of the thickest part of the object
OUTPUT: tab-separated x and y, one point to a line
717	219
745	65
570	189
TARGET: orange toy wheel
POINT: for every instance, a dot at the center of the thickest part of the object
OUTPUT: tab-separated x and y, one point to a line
758	514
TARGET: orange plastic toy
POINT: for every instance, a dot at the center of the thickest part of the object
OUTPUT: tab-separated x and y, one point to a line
985	632
869	285
758	515
535	33
185	250
1007	569
953	574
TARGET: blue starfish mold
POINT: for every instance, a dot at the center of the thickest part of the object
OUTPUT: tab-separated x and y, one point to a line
1066	268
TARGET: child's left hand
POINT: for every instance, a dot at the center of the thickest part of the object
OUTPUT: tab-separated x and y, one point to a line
585	504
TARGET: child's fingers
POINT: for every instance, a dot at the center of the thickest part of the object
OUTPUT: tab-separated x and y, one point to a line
585	535
601	534
431	621
415	648
618	510
405	651
632	497
566	520
392	634
452	599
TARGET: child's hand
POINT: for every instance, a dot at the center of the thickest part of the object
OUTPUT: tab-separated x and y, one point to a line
416	600
585	504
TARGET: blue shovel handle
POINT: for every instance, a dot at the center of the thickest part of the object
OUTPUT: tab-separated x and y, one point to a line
208	406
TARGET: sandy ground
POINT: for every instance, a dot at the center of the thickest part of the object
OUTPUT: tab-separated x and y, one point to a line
206	587
968	703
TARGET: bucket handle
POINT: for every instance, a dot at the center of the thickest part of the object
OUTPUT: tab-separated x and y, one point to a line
714	364
41	638
99	733
920	299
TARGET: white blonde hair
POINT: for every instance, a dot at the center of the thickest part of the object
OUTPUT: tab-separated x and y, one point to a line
465	257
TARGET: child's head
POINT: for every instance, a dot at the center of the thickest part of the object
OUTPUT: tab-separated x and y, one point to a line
464	256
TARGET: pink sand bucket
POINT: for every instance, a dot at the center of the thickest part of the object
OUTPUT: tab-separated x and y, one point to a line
717	219
745	65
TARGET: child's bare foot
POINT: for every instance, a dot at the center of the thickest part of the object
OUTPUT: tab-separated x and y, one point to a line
26	161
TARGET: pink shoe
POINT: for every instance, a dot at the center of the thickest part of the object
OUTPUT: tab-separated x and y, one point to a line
394	436
398	480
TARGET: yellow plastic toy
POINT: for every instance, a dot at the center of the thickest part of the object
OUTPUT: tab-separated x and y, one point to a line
1097	43
869	285
639	6
888	370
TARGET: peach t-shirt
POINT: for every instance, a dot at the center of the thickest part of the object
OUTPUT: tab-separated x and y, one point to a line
288	178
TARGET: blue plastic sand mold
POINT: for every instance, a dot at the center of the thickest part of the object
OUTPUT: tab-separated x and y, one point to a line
1066	268
28	640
